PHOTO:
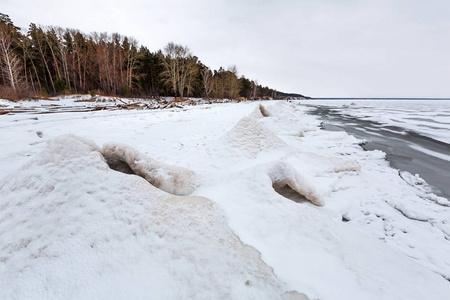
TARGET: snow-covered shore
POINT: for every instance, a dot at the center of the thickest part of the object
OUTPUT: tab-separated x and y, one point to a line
71	227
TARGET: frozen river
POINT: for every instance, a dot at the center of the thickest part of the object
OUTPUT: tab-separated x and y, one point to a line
415	134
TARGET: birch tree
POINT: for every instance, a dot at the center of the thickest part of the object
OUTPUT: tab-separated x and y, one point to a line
12	66
207	81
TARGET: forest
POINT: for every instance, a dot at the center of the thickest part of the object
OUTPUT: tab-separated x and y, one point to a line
49	60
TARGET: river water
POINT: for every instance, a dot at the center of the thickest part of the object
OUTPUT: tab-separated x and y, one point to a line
413	135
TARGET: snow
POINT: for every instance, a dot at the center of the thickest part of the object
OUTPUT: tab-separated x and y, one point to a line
230	201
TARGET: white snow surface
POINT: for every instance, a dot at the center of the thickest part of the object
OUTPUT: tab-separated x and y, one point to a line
73	228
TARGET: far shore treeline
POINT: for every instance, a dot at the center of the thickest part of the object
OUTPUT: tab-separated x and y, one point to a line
49	60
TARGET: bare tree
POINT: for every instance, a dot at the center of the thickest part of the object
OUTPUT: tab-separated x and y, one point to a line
179	68
170	63
188	70
207	80
131	58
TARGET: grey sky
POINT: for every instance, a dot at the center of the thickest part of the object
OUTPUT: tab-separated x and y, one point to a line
346	48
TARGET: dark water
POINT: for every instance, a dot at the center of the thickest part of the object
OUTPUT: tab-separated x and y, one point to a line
395	142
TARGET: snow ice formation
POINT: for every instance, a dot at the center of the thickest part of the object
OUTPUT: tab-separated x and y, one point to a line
172	179
283	174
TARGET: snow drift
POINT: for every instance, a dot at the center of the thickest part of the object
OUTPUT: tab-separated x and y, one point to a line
81	230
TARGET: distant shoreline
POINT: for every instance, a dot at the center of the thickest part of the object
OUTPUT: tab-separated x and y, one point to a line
320	98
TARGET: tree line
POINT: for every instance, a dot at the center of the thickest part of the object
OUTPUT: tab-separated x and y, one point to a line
50	60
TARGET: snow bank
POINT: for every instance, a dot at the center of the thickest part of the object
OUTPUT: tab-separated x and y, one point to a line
172	179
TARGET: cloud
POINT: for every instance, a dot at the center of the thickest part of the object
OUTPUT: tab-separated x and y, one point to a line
351	48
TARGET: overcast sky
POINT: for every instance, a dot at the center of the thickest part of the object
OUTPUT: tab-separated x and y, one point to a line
319	48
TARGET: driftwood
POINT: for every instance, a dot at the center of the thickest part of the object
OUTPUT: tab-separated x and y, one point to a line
116	104
100	108
122	101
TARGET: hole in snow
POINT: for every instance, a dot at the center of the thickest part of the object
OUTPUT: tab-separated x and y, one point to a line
345	219
287	192
120	166
39	134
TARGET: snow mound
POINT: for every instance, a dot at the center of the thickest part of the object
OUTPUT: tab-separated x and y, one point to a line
250	137
171	179
81	230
